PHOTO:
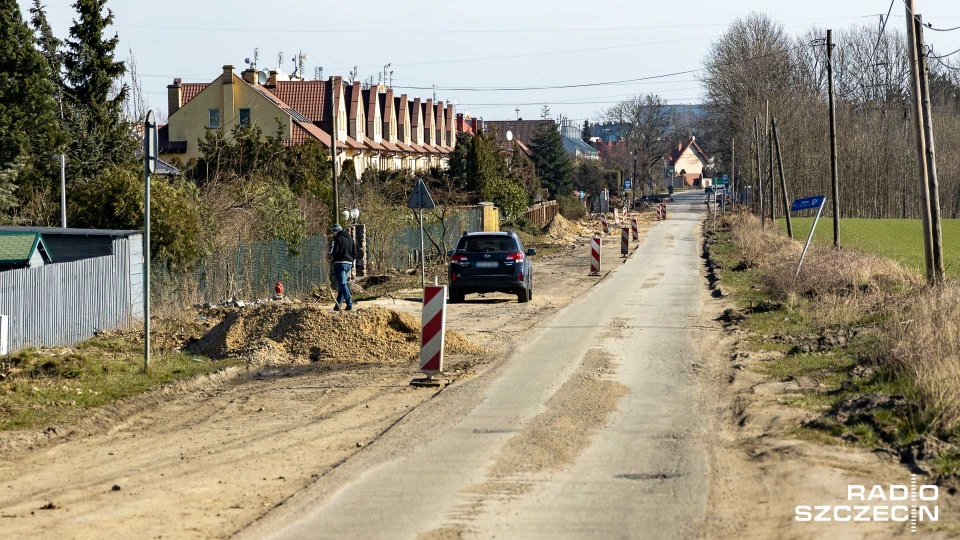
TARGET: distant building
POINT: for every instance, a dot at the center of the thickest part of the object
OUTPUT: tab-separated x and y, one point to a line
688	161
524	130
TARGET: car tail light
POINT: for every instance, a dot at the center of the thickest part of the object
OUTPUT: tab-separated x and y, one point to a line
515	257
458	258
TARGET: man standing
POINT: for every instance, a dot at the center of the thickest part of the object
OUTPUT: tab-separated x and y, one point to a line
343	251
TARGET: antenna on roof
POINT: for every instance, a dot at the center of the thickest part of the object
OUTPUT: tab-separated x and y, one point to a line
318	73
252	64
280	59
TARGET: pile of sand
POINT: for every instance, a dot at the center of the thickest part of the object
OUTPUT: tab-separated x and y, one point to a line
561	227
273	331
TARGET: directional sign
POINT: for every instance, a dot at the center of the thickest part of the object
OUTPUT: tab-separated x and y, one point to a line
421	197
628	184
807	204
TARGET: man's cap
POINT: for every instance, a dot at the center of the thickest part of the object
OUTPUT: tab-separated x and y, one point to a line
337	227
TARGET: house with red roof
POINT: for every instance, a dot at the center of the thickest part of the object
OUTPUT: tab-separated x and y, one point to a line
688	162
374	128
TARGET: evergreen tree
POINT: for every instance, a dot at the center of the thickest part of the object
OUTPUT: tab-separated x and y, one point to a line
28	120
100	136
550	159
586	133
49	46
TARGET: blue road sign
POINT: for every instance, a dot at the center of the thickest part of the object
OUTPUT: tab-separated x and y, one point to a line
807	204
628	184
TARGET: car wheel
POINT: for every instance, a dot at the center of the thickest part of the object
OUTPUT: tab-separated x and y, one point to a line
523	296
456	297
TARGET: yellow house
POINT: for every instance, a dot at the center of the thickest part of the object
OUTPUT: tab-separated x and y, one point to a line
404	134
689	161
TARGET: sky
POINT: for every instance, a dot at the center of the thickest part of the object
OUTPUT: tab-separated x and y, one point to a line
466	48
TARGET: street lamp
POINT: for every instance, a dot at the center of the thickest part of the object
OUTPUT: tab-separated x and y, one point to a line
355	214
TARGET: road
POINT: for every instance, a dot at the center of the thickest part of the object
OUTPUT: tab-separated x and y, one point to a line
591	429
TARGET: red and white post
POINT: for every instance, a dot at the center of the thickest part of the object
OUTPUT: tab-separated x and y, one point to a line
595	255
635	229
616	216
664	211
625	242
603	223
433	325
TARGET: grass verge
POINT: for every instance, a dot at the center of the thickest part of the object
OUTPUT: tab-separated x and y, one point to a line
881	350
39	388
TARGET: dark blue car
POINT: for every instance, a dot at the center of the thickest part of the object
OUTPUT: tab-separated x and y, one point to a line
491	262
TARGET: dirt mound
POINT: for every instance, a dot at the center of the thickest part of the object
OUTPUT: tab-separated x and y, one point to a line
560	226
272	332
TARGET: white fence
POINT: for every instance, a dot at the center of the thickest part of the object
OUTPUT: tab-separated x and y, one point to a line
61	304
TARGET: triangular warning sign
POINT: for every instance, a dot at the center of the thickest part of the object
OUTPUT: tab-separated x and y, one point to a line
421	197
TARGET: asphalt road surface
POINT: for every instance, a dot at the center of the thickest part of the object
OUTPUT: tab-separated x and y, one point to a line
591	430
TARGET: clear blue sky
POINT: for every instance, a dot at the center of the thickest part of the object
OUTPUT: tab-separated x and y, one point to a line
492	43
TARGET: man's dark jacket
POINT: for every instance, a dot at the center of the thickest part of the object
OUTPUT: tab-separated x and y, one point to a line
344	249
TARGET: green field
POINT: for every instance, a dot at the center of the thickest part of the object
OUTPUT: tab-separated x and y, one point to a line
898	239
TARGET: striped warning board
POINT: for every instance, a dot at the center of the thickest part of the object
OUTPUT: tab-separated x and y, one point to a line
635	229
603	223
432	329
595	255
625	241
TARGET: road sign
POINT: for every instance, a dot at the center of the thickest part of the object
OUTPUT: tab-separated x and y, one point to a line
421	197
628	184
808	203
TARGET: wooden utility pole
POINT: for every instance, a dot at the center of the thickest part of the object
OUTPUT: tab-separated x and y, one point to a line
914	52
936	240
834	182
773	204
733	173
783	180
756	137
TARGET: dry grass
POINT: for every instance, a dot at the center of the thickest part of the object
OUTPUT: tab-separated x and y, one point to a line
919	328
923	340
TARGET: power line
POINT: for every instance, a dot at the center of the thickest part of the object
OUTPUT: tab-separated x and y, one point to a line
930	27
458	31
931	55
585	85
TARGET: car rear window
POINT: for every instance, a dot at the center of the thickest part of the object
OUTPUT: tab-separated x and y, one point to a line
487	244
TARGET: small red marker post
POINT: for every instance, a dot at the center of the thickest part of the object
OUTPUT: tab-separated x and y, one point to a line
625	242
595	255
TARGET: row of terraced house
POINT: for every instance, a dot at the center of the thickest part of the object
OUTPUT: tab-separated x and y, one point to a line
375	127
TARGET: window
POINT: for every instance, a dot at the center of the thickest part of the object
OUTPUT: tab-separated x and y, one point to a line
245	117
214	115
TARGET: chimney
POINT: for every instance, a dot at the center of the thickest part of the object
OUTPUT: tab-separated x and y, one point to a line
228	74
249	75
174	97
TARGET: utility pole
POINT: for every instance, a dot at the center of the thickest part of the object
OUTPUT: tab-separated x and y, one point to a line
770	174
931	159
756	137
915	90
834	182
783	180
733	172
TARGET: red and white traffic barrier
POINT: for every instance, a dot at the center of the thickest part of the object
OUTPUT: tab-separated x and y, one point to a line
434	322
616	216
595	255
625	241
635	229
603	223
664	211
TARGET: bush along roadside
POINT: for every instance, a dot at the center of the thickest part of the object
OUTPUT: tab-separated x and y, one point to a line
855	340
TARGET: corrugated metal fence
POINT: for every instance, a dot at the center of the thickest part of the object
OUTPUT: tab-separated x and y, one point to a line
61	304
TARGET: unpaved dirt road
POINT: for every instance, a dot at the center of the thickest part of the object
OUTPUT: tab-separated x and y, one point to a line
206	458
589	430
